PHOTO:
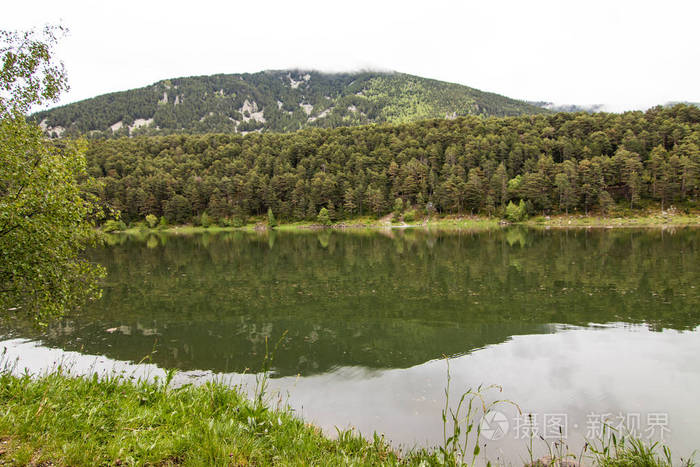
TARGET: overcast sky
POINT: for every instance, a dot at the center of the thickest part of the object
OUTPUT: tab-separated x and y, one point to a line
625	54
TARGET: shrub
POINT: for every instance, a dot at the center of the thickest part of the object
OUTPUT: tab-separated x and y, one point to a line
113	225
152	221
205	220
140	226
516	213
323	218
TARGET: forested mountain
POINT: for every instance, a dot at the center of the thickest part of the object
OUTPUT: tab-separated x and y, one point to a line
278	101
554	163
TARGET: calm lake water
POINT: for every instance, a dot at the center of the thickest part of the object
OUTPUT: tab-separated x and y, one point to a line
576	326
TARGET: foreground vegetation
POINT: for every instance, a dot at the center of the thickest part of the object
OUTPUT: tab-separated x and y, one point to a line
59	420
86	421
46	218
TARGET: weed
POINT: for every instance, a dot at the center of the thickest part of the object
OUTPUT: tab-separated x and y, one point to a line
464	439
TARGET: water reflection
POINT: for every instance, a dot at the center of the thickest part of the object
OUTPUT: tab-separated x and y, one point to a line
578	373
211	301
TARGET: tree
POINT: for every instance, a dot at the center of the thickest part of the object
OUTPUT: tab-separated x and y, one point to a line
218	206
514	186
46	218
554	161
590	182
561	181
690	178
205	220
474	190
535	187
29	76
673	177
499	184
516	213
375	199
271	221
332	213
489	205
178	210
323	218
350	205
605	202
567	186
452	193
655	164
631	174
398	207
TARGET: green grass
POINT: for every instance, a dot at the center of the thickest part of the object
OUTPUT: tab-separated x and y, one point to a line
464	223
619	449
364	222
91	421
644	220
56	419
187	229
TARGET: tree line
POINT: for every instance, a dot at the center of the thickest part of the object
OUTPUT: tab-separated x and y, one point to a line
553	163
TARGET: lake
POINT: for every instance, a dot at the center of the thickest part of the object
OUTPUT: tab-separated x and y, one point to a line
576	326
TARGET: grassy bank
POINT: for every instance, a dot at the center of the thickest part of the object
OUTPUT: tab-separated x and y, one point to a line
450	222
649	220
85	421
59	420
642	219
465	223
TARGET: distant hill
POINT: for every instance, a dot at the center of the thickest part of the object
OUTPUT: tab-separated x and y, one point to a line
277	101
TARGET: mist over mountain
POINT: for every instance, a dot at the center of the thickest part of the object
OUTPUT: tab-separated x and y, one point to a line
276	101
673	103
593	108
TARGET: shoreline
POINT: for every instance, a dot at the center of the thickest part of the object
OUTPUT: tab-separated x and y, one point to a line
62	419
472	223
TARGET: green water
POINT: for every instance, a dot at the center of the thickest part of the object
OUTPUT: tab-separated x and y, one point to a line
373	311
376	300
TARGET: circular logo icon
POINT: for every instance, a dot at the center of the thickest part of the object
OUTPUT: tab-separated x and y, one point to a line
494	425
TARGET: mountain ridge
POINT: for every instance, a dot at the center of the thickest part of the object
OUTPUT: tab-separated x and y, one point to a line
276	101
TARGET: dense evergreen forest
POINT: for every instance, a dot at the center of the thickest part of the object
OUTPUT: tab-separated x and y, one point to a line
554	163
279	101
